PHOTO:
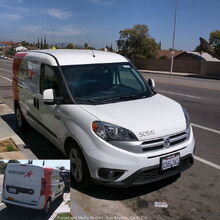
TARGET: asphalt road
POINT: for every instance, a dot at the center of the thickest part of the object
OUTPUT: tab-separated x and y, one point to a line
196	194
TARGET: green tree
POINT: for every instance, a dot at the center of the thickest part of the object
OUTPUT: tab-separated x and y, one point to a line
136	43
214	40
14	161
70	46
109	48
45	45
2	166
38	43
41	43
86	46
213	46
199	48
24	43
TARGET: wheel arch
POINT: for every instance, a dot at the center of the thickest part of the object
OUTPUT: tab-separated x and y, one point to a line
76	143
67	142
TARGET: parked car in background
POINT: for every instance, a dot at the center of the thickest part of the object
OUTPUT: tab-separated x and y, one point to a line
65	175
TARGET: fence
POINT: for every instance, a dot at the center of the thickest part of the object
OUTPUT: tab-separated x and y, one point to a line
184	66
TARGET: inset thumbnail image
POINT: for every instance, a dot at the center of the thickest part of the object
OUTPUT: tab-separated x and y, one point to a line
38	188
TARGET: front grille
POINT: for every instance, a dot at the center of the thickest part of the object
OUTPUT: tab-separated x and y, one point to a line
160	143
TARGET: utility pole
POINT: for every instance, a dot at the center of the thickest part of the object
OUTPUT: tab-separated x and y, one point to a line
174	33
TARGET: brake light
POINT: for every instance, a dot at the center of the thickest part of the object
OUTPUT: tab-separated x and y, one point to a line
43	186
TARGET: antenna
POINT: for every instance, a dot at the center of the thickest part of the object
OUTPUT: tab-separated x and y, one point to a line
93	54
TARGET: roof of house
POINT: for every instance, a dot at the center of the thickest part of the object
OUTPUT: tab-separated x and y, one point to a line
204	56
7	42
167	53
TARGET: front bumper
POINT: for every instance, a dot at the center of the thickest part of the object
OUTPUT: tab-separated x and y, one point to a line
39	205
139	168
152	174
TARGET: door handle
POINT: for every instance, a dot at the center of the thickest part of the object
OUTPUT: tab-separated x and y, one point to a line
36	103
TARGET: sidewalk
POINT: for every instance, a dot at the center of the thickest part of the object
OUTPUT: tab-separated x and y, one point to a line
179	74
63	208
7	132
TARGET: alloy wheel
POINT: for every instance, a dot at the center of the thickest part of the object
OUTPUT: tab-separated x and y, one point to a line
76	165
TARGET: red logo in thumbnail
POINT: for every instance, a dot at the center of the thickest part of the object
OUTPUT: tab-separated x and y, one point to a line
28	174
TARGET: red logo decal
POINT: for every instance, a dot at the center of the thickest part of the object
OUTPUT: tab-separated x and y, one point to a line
28	174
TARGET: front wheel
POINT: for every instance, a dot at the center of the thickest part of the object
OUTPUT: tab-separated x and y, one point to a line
79	169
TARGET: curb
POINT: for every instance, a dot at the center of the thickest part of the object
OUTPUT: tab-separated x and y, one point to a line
85	206
63	208
77	211
6	130
180	74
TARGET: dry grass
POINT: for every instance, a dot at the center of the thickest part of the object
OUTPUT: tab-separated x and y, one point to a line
7	145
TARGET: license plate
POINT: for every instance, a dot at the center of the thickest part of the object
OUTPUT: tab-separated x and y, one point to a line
170	161
12	190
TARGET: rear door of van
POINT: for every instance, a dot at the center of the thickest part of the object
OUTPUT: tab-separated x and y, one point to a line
23	183
33	181
14	183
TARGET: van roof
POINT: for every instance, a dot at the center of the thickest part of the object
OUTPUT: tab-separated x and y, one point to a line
28	165
76	56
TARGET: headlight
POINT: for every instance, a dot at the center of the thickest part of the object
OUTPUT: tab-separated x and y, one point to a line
110	132
187	121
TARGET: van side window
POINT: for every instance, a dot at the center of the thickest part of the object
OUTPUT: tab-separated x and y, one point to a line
127	78
49	80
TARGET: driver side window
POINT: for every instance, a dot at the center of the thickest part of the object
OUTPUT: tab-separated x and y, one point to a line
49	80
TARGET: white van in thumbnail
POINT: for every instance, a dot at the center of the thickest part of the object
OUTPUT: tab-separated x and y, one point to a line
99	111
31	186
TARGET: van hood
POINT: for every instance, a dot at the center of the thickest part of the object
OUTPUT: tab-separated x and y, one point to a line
155	116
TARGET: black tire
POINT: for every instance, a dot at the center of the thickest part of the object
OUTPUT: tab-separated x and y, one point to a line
20	121
62	194
80	174
47	207
9	205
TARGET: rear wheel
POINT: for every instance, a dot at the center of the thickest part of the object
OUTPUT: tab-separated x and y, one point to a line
47	207
21	122
79	169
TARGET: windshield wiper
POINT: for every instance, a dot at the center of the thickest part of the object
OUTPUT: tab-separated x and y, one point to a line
90	100
142	95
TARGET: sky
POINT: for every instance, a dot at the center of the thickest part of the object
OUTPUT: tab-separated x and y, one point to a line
101	20
48	163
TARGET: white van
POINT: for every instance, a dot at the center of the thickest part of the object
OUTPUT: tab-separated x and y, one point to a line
99	111
31	186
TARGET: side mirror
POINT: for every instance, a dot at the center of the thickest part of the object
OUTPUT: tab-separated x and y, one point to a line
48	97
151	82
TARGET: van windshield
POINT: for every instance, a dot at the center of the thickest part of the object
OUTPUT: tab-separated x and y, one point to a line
104	83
